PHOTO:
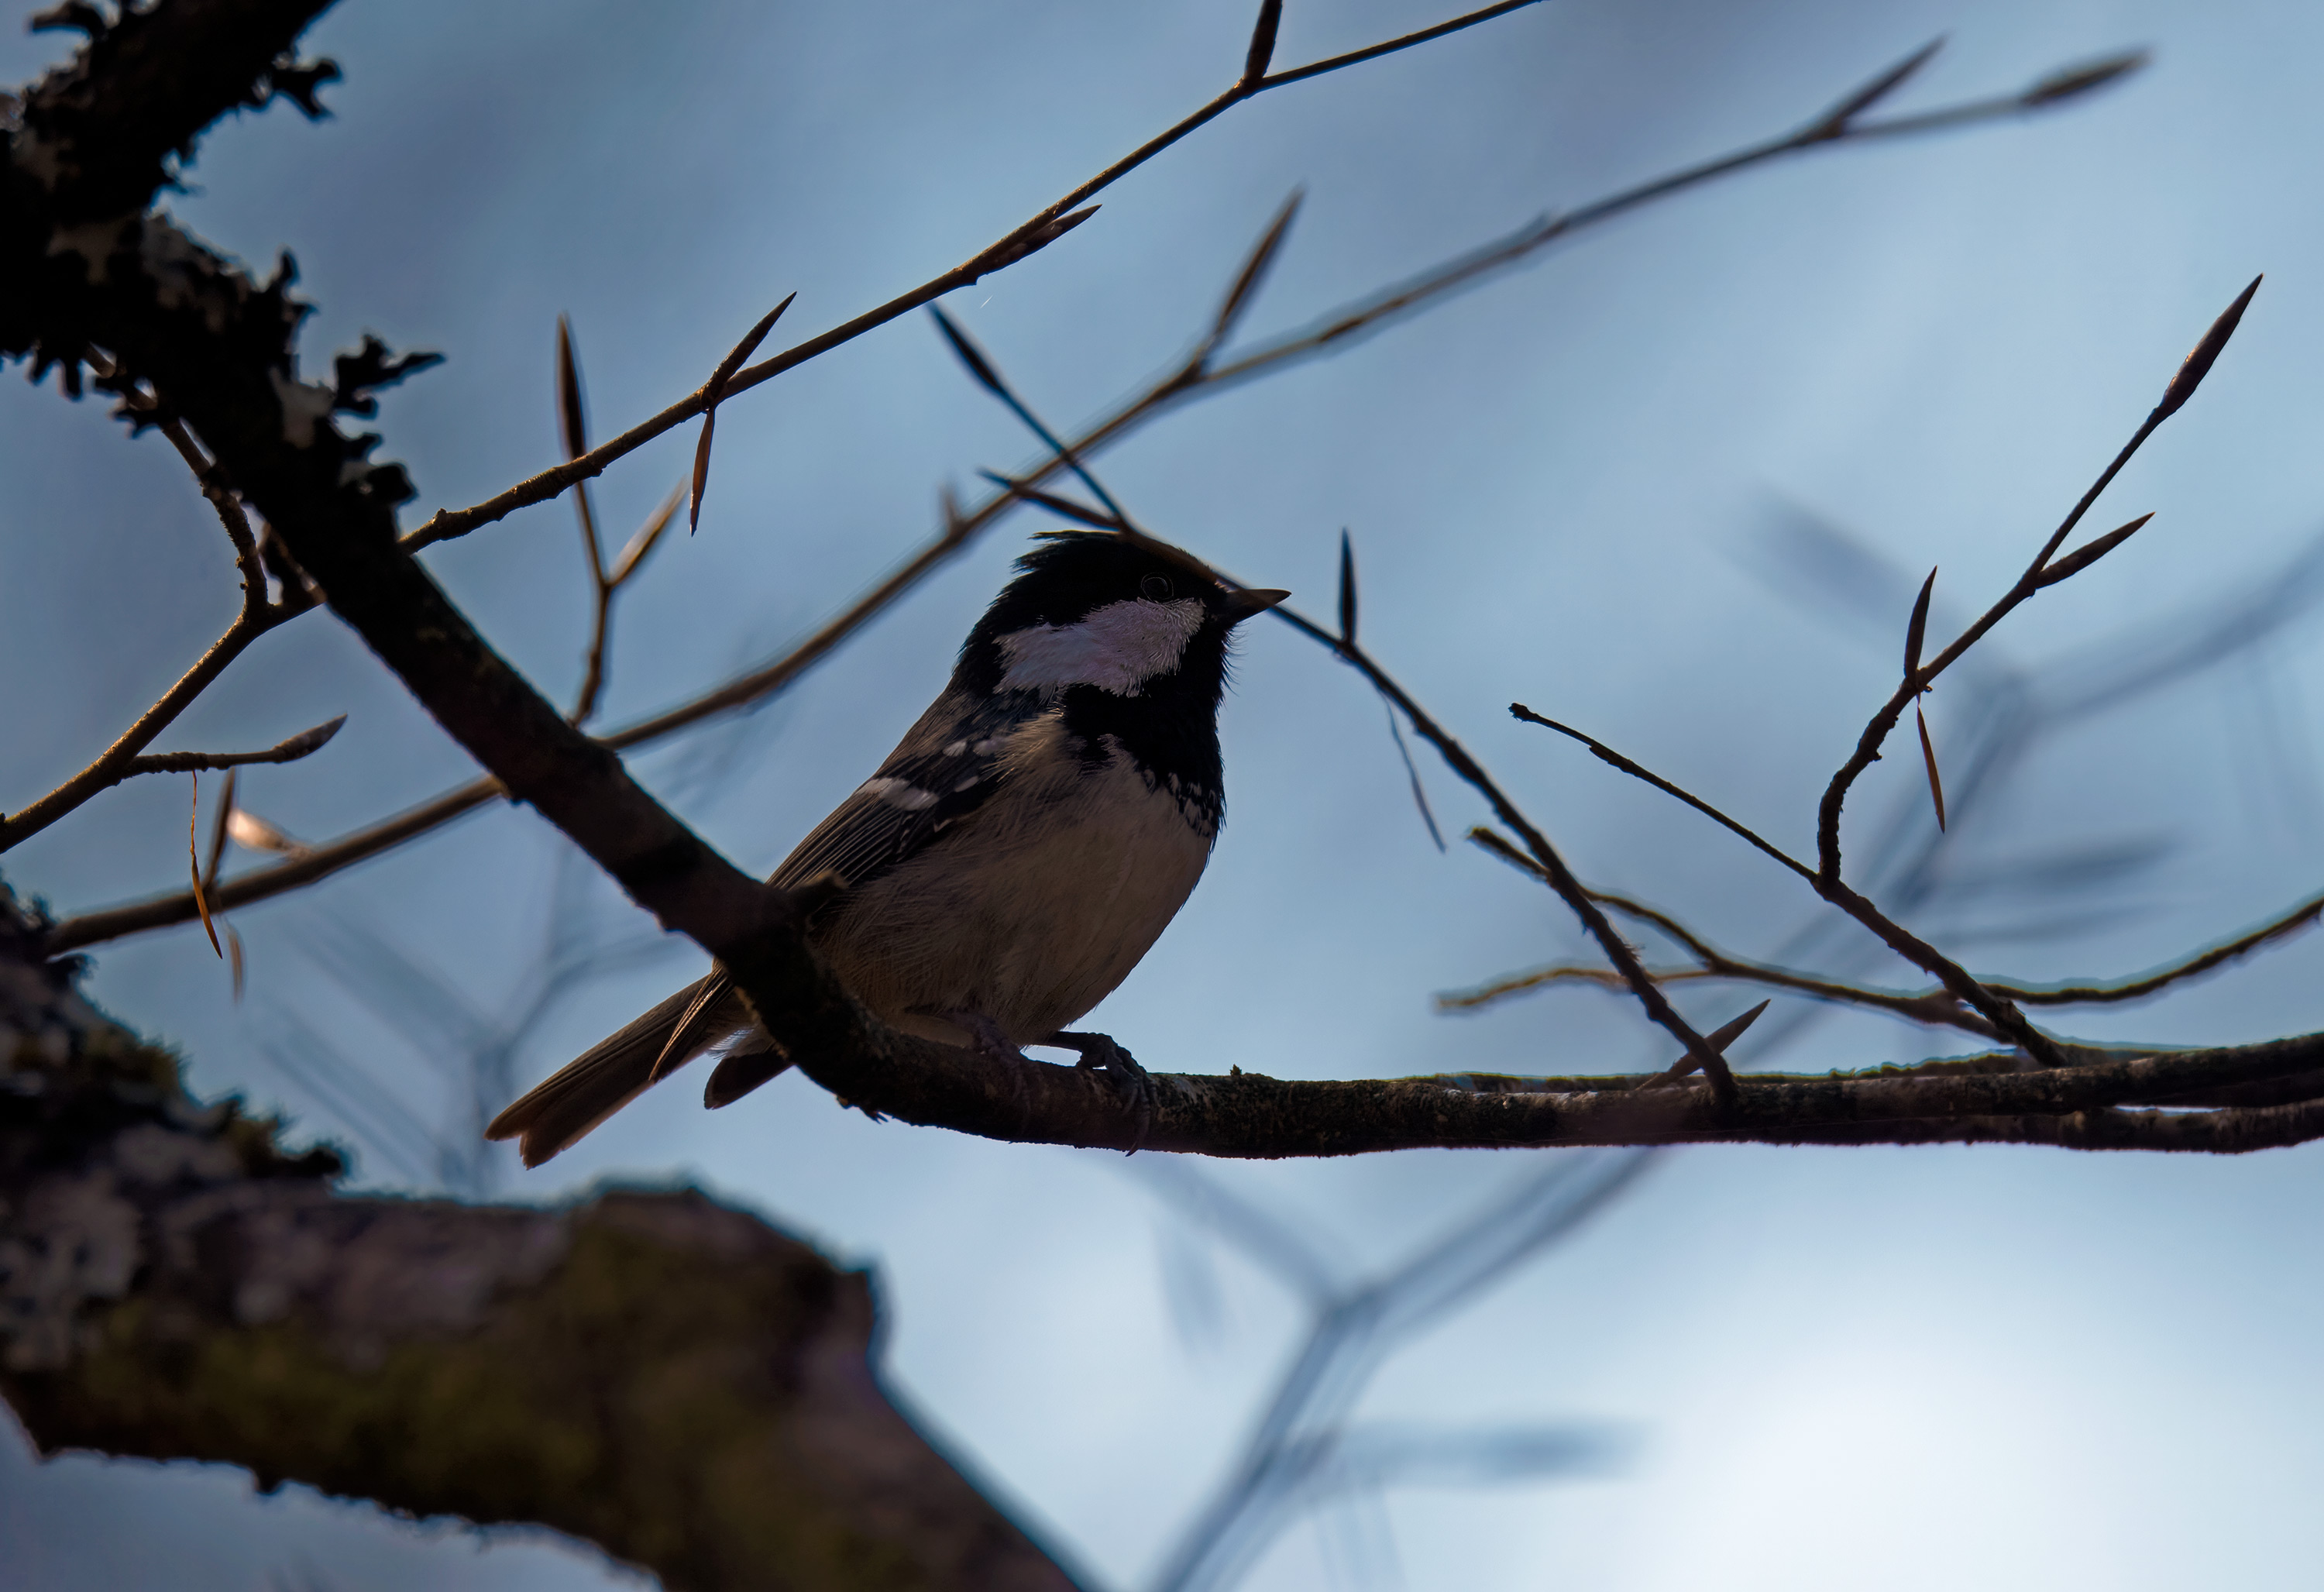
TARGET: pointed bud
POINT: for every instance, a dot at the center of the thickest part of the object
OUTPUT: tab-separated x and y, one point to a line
1347	593
2073	81
1262	43
2081	558
1929	756
711	394
193	867
1255	269
1731	1030
1835	121
970	355
1916	628
2198	363
569	418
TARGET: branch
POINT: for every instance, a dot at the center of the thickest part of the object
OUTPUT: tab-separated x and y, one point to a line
174	1286
2038	574
120	760
1607	754
1327	334
1391	303
333	518
1996	1009
147	82
2290	924
304	744
1248	1115
1037	233
1934	1006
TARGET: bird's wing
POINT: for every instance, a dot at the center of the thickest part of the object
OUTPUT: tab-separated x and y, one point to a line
947	767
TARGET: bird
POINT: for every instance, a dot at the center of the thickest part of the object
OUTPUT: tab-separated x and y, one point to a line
1011	860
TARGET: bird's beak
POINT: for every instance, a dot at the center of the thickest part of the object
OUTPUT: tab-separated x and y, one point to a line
1250	600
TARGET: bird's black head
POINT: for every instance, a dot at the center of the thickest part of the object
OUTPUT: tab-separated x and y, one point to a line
1131	638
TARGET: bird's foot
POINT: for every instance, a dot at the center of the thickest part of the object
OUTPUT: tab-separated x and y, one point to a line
1099	1052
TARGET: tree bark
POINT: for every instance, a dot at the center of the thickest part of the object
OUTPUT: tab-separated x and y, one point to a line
675	1381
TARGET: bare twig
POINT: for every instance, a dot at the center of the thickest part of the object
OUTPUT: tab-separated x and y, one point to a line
2281	928
605	581
1607	754
1374	311
1957	980
713	392
573	430
1053	221
1560	878
647	537
1287	1461
306	743
1042	229
1326	335
120	760
1934	1007
1247	281
2183	387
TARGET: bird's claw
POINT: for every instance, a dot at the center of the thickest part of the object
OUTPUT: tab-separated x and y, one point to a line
1100	1053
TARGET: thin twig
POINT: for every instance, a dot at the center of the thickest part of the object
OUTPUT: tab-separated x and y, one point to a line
2038	573
2183	387
120	760
1560	878
1041	230
306	743
1326	335
1607	754
1045	226
1957	980
1934	1006
2290	923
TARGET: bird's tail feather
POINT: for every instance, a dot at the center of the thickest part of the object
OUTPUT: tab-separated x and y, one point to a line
618	1068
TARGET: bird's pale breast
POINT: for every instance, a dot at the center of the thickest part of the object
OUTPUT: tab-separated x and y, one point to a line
1035	906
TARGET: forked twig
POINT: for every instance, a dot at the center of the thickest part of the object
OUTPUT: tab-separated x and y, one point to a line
605	581
120	760
1934	1006
2039	574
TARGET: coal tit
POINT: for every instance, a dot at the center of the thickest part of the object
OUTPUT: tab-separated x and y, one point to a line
1013	858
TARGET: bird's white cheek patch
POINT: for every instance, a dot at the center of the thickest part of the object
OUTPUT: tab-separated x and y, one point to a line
1118	648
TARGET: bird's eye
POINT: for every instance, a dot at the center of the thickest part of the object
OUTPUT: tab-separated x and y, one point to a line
1155	587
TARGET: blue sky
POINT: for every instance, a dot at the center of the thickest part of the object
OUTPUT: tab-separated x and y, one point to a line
1608	484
